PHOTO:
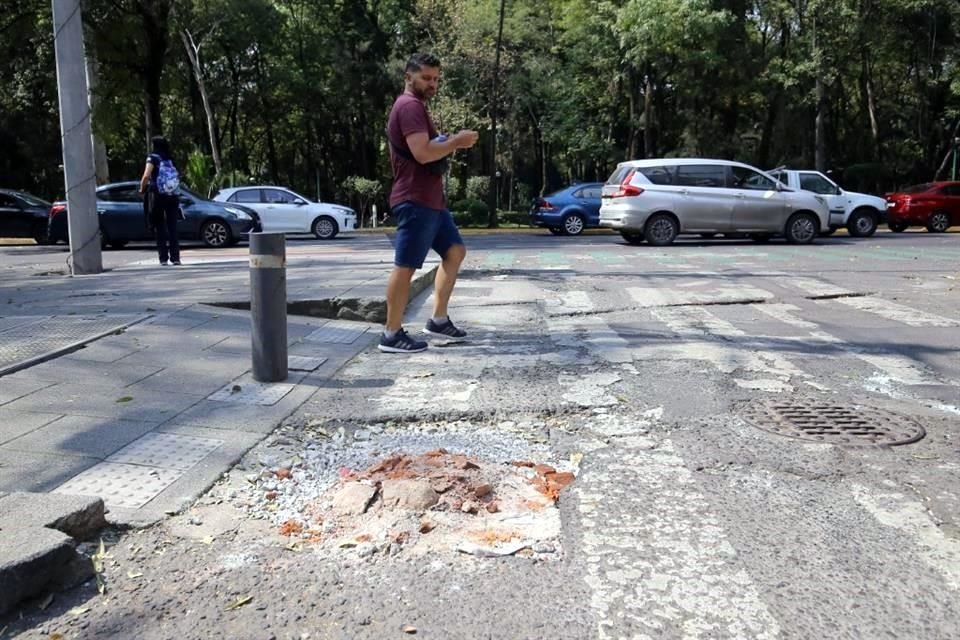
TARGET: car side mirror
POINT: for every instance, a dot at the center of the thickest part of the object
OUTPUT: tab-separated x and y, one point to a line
299	202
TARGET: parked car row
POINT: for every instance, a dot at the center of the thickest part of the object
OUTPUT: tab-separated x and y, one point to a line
220	222
659	199
23	216
122	220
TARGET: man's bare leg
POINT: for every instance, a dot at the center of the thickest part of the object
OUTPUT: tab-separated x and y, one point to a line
446	279
398	294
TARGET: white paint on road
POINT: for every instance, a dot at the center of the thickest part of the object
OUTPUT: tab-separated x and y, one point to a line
896	510
898	312
725	294
589	390
785	313
659	563
694	321
814	287
412	394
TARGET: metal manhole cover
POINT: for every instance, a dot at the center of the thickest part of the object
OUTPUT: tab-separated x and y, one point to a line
834	424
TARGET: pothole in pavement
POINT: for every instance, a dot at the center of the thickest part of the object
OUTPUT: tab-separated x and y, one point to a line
485	489
833	424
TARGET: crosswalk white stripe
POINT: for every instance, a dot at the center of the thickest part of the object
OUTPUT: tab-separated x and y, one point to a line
909	516
898	312
684	582
818	287
784	313
729	294
688	321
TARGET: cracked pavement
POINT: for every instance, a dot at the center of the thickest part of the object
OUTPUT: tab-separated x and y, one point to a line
685	520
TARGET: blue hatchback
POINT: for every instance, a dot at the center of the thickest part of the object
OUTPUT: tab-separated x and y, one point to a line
569	211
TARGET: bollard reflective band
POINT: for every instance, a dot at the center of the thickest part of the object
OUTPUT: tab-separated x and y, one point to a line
267	262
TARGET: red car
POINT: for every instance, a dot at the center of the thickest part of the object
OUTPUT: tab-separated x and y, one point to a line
934	205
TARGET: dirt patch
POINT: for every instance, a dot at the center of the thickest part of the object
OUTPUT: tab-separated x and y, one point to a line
431	502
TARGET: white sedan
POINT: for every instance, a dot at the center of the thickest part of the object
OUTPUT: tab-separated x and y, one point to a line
283	210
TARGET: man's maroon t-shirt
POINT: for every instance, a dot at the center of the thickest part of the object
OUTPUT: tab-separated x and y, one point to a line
411	181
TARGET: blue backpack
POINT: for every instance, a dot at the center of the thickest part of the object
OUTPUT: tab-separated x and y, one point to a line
168	180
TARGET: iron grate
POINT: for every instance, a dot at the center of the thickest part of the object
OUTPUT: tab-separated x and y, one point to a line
834	424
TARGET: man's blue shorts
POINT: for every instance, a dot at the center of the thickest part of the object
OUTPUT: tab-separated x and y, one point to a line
420	229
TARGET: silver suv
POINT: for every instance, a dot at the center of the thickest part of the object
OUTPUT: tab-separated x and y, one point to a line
656	200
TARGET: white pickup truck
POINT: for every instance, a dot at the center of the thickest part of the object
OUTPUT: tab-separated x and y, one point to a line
858	212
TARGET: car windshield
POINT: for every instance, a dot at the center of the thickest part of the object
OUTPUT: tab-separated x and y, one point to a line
918	188
33	201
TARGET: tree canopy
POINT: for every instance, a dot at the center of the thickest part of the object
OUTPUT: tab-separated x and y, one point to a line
296	92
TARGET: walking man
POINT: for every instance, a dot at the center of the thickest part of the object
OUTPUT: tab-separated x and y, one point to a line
418	156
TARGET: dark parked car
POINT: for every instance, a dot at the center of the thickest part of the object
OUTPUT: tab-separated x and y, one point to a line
23	216
120	209
934	205
569	211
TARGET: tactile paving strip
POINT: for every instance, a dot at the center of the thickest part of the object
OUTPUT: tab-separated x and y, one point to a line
304	363
167	450
834	424
248	392
121	485
31	338
338	332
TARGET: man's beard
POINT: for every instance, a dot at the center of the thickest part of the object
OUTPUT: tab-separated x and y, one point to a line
423	94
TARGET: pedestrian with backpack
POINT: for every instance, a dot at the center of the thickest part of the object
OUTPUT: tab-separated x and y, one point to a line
160	185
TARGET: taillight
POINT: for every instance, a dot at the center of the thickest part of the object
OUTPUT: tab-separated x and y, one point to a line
626	189
55	209
546	205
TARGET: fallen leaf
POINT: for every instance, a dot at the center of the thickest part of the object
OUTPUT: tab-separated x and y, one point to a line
46	602
125	399
79	611
239	602
208	540
428	374
576	459
409	628
134	574
98	565
53	636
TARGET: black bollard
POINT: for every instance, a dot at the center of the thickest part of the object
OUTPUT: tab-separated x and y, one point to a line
268	306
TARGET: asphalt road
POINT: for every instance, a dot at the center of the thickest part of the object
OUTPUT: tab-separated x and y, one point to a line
670	375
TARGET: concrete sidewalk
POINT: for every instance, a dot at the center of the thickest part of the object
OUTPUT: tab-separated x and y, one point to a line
149	415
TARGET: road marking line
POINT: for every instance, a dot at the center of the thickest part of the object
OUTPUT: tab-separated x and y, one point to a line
895	510
683	582
730	294
898	312
784	313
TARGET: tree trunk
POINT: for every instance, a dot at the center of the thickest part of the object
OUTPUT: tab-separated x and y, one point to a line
493	194
154	20
869	100
952	148
632	117
649	121
193	53
100	163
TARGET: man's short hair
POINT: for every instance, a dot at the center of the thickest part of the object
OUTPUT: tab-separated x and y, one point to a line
419	60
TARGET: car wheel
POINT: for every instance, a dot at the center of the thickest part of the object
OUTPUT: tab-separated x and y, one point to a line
760	237
215	234
41	237
828	232
802	228
632	237
661	230
555	231
939	222
573	225
862	223
897	227
325	228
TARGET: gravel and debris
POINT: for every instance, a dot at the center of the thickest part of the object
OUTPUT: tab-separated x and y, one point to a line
487	489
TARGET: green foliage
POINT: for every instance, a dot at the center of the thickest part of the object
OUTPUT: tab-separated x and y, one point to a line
470	212
362	192
477	188
300	91
199	174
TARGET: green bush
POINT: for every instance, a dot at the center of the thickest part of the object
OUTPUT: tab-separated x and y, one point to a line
521	218
478	187
470	212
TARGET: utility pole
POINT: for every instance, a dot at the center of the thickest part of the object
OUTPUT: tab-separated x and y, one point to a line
78	166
